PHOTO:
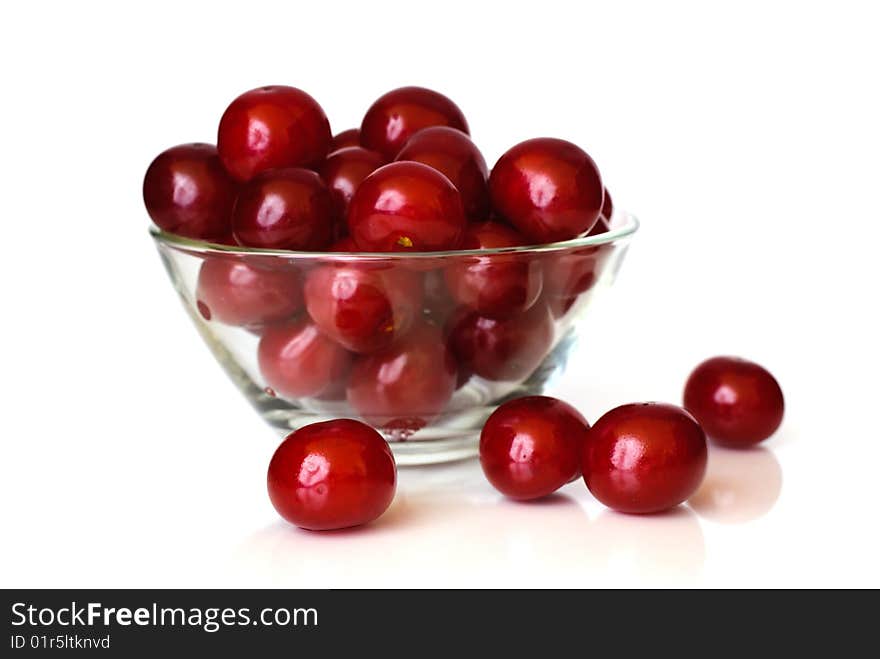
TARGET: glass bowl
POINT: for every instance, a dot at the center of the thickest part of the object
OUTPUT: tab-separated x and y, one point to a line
424	346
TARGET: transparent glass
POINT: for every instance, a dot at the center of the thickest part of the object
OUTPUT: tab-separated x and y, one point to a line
422	346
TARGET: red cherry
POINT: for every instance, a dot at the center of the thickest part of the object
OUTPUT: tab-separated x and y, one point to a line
606	214
343	245
284	209
738	402
530	447
346	138
187	192
644	457
332	475
570	274
363	308
453	154
234	292
406	207
297	360
507	349
497	285
547	188
407	385
272	127
397	115
343	172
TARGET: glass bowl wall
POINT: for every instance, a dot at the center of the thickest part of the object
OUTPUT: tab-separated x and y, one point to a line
424	346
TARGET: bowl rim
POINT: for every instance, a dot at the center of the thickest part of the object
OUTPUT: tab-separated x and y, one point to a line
627	228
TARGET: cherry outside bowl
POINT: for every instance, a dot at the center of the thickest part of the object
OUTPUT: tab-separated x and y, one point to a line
313	336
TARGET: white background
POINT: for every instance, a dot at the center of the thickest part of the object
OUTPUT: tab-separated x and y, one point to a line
744	136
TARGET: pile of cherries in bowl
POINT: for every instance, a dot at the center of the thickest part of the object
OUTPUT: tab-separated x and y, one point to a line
385	272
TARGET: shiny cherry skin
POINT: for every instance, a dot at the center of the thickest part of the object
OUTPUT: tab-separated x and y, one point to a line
503	349
363	308
606	214
234	292
570	274
332	475
530	447
297	360
406	207
547	188
407	385
343	245
400	113
738	403
345	138
453	154
284	209
644	457
343	172
271	128
498	285
187	192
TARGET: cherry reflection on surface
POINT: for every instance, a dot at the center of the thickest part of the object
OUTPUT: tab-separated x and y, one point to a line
740	485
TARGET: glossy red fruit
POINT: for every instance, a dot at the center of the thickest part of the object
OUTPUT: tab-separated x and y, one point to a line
234	292
407	385
187	192
495	285
343	172
406	207
439	303
343	245
644	457
607	211
400	113
364	308
571	273
506	349
549	189
297	360
453	154
346	138
530	447
332	475
738	402
271	128
284	209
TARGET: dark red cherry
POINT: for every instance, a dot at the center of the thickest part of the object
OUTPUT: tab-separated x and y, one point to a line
400	113
284	209
453	154
344	244
406	207
234	292
297	360
332	475
187	192
494	285
530	447
570	273
644	457
549	189
270	128
364	308
607	212
501	349
343	172
346	138
738	402
407	385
